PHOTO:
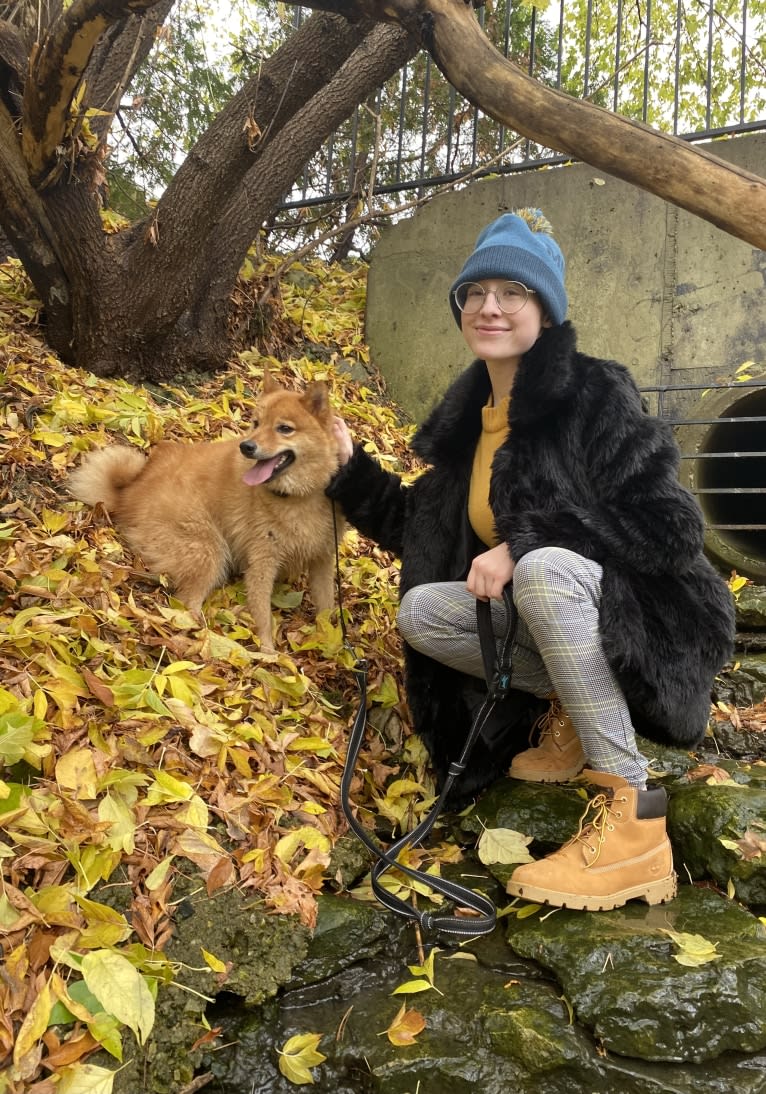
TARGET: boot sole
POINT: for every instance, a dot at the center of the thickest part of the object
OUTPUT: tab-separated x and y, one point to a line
549	777
656	892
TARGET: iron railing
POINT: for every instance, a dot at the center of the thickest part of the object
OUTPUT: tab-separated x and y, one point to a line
694	68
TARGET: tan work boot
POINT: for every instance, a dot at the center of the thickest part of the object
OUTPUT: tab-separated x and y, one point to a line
558	755
620	852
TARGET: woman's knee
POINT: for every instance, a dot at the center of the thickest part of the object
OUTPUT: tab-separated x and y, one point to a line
537	570
439	609
409	612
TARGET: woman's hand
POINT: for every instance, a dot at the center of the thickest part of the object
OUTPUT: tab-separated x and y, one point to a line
343	439
490	573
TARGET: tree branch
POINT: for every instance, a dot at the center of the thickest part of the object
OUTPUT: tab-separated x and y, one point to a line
192	213
376	216
115	60
723	194
381	54
26	222
213	171
55	72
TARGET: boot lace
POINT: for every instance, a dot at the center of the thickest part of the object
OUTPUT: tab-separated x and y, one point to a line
546	723
595	823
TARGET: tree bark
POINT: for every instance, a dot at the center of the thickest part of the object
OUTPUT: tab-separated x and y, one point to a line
27	225
114	60
148	301
385	49
685	175
56	69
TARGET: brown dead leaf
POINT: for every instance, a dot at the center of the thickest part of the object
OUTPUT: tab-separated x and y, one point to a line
97	687
405	1027
207	1038
752	844
76	1048
221	874
708	772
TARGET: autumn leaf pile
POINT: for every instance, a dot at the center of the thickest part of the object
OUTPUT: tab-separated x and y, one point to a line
137	745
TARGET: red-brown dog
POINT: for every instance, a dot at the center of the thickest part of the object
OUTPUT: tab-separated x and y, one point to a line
205	513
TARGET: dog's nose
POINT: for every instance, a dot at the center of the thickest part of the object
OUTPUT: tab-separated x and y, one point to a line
249	449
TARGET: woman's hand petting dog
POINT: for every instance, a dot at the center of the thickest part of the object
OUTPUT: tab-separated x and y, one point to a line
344	440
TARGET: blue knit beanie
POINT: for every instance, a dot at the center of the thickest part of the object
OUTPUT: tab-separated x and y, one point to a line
519	246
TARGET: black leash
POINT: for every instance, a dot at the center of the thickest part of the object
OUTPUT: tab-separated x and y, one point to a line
498	673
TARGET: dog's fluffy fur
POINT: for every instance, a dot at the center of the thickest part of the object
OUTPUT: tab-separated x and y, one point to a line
204	513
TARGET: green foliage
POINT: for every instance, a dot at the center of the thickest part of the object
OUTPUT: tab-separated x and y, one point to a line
633	63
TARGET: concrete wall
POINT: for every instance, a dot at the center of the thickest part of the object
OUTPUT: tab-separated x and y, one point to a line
669	295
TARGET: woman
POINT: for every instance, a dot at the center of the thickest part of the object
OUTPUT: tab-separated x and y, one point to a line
546	472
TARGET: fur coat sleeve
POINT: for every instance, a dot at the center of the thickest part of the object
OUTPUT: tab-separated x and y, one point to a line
373	500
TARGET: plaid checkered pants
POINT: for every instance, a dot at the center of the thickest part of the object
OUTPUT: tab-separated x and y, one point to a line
557	648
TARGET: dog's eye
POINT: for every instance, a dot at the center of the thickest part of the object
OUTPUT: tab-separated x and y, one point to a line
286	429
254	423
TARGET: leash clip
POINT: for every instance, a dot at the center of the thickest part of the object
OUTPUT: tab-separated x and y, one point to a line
500	685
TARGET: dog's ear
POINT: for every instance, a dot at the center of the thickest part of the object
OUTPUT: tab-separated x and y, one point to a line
269	383
316	400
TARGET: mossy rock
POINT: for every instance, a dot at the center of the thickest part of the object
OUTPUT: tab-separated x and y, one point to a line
548	813
750	607
619	972
745	685
260	951
700	816
495	1032
348	931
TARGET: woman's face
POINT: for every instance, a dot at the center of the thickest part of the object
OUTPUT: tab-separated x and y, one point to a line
499	338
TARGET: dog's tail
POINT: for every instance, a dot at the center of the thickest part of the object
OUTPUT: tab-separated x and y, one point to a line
104	473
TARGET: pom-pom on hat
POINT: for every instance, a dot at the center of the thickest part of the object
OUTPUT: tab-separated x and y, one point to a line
519	246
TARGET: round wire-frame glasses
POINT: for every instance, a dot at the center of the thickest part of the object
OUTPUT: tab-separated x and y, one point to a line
511	296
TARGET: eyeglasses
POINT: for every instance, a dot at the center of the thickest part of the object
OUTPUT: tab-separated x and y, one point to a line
511	296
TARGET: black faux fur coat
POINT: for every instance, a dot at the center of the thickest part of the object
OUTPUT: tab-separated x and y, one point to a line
585	468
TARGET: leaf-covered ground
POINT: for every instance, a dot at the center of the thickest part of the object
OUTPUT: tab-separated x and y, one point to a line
138	745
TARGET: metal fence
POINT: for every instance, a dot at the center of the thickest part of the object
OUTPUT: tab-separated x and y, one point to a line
694	68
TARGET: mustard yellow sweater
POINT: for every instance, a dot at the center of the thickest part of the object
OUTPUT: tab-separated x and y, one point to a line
494	431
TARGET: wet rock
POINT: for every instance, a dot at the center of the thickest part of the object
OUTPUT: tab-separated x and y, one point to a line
666	761
349	861
737	741
546	812
750	607
639	1020
618	971
746	685
261	952
494	1031
700	816
347	932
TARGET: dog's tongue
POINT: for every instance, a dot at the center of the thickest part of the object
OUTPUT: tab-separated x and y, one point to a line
260	472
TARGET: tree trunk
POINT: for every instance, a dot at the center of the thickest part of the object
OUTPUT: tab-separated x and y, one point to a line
6	250
155	299
283	159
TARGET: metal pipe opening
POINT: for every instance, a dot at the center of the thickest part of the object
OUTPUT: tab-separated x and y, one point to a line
724	463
